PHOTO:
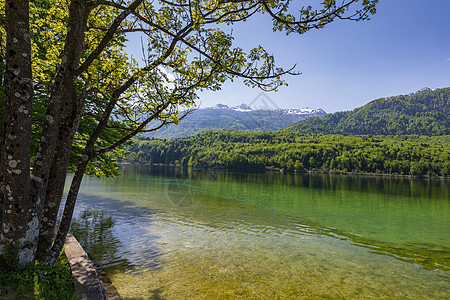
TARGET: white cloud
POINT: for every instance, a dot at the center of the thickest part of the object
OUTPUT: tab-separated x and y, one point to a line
169	75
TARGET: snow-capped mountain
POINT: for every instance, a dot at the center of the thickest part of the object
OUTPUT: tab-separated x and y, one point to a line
303	111
425	89
241	117
290	111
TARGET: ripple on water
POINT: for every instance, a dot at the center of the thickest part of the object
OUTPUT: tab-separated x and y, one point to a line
268	241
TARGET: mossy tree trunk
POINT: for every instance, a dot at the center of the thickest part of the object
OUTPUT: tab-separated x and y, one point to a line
20	220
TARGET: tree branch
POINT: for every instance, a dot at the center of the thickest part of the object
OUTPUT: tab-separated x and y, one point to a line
317	20
108	36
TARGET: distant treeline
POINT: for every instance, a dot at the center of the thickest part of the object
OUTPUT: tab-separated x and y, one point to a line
424	113
231	149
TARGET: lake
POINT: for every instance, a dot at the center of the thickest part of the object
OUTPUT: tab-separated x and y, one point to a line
172	233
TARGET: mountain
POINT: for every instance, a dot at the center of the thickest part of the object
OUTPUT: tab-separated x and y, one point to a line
425	89
426	112
242	117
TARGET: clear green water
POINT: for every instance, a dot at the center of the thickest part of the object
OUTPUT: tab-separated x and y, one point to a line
168	233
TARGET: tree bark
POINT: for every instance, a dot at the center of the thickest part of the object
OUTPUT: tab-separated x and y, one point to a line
57	142
68	210
51	255
19	224
70	120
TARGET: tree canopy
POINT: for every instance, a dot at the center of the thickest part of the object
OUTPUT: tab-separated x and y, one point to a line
71	95
292	151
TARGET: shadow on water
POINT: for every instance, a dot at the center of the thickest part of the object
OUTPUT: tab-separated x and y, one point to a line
110	232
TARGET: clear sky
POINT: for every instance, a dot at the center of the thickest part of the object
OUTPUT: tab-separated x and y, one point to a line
403	48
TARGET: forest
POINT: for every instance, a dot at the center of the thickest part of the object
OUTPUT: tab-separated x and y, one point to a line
424	113
292	151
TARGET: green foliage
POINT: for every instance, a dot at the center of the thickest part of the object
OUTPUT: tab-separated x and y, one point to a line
405	155
188	48
424	113
37	281
10	257
48	32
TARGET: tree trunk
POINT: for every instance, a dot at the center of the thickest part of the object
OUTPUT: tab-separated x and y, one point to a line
68	210
69	115
76	183
19	224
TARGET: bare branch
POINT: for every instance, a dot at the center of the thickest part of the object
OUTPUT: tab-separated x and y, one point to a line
108	36
120	31
175	4
134	132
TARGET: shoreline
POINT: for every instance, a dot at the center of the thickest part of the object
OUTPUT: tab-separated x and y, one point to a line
281	171
90	282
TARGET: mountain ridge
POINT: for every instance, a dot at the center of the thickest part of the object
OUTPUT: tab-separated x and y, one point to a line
425	112
246	108
241	117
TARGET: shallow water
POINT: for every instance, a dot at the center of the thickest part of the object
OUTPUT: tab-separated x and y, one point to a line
168	233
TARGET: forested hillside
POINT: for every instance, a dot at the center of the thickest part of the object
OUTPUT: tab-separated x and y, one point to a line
232	149
423	113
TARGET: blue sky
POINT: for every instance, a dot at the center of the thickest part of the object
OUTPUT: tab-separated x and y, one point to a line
403	48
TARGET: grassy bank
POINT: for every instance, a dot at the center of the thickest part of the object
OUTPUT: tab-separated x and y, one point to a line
37	281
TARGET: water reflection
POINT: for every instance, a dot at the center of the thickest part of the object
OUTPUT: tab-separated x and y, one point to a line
417	188
111	233
93	229
172	223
